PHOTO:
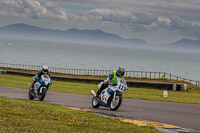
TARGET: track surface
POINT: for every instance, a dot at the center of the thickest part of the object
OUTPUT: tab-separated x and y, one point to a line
177	114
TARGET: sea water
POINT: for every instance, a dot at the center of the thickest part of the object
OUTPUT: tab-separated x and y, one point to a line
102	57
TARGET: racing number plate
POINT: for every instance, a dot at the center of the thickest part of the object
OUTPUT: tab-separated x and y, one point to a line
122	87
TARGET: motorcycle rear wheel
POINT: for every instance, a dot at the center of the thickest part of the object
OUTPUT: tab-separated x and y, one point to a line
114	105
95	102
30	96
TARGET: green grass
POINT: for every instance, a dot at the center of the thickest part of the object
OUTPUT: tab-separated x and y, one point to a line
163	80
191	96
28	116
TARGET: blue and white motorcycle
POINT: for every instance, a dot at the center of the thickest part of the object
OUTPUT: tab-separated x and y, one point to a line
40	87
110	97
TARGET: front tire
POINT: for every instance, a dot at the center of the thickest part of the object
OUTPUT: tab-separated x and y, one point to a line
95	102
42	95
30	95
114	105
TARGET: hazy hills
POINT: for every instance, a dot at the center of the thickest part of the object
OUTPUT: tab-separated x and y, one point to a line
87	36
72	35
185	43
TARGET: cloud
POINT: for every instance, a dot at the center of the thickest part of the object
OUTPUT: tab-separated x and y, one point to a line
179	24
32	9
184	27
138	21
110	15
176	23
143	15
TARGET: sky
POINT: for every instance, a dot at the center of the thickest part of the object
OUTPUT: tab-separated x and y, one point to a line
155	21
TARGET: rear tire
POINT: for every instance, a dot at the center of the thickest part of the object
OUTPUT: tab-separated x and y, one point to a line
95	102
43	94
114	105
30	96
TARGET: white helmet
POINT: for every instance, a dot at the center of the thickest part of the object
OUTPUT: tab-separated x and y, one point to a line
45	69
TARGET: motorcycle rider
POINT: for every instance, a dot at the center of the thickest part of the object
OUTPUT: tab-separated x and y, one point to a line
112	79
44	70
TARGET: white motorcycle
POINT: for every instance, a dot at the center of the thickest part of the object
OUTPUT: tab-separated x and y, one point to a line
40	87
110	97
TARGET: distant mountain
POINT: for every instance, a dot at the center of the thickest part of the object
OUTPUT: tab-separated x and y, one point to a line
185	44
72	35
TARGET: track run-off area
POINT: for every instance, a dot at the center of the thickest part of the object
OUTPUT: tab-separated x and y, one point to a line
162	115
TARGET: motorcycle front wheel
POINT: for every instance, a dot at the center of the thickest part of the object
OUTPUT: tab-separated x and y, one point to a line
42	95
95	102
114	105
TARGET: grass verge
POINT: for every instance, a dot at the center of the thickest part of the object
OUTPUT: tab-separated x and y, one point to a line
28	116
163	80
191	96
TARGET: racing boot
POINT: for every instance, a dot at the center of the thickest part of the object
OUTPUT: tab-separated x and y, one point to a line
32	86
102	86
98	93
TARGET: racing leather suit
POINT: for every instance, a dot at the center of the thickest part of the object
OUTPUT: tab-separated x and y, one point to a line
112	80
38	75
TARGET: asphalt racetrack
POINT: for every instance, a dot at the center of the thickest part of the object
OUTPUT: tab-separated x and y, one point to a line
177	114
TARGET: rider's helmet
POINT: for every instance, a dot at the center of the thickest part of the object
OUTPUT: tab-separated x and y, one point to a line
120	72
45	69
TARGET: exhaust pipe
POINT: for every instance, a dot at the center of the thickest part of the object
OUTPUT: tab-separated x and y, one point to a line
93	93
29	85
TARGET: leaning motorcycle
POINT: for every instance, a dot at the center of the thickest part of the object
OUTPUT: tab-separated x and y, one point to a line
110	97
40	88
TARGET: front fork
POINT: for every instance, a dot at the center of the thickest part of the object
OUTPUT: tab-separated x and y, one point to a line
114	96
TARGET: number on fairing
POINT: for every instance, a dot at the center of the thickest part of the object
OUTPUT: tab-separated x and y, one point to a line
103	98
121	87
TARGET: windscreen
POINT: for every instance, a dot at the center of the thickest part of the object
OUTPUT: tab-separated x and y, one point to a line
46	76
